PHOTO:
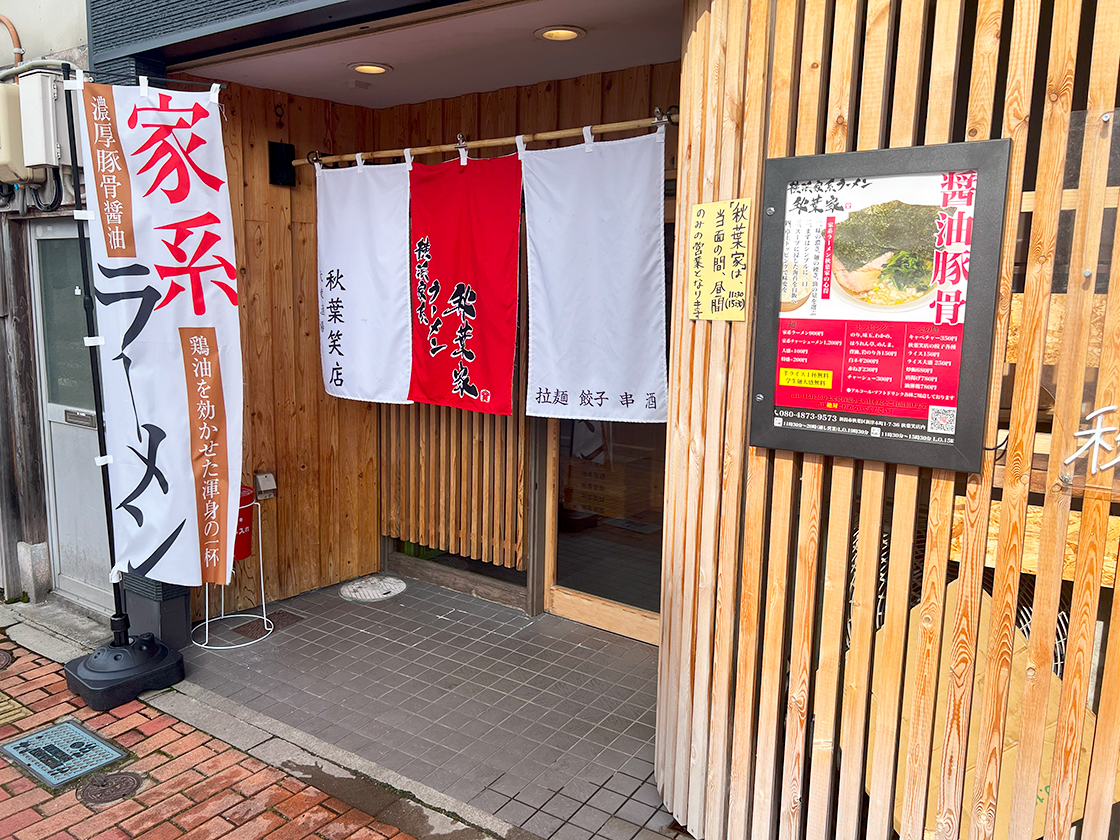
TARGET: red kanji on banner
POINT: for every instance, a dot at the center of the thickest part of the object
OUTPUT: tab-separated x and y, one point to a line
190	266
164	142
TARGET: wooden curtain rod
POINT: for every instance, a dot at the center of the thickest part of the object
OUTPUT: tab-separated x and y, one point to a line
606	128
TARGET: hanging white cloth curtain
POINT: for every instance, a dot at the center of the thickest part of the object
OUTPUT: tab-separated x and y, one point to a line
595	221
365	332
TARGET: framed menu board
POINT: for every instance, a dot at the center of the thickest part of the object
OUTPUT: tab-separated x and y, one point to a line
877	288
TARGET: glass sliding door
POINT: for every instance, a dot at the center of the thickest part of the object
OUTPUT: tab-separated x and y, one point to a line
603	557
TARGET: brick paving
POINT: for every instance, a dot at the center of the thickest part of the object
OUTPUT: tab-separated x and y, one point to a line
195	787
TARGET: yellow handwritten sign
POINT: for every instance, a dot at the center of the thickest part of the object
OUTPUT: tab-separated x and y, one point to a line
717	260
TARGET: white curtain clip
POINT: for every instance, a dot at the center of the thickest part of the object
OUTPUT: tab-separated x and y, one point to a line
520	141
143	87
214	91
103	460
358	159
587	139
462	156
408	157
77	83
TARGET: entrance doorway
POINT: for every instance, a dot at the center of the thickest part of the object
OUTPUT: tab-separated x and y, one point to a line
606	482
77	541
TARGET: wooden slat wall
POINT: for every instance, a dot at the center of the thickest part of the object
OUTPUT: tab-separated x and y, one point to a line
350	472
818	679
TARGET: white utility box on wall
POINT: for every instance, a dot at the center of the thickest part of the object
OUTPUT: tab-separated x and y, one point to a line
43	116
12	168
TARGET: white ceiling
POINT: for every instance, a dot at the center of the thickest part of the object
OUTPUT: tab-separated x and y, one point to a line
479	51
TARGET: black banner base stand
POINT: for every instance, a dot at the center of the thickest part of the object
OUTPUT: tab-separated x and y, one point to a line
112	676
119	670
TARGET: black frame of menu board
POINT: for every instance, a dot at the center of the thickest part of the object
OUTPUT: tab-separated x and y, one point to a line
990	159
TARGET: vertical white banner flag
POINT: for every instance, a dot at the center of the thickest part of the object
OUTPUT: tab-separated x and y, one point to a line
594	214
165	283
365	329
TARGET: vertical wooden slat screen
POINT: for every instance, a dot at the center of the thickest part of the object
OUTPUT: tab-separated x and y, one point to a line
823	619
351	472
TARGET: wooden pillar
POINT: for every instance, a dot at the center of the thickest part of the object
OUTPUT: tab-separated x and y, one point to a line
817	677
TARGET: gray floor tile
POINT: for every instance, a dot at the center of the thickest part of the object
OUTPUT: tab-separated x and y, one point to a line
542	824
607	800
660	819
616	829
579	789
648	794
589	818
553	779
442	779
509	784
621	783
534	795
517	813
465	790
568	831
562	806
635	812
638	769
597	774
489	801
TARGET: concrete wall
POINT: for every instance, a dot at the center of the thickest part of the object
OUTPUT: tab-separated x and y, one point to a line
47	28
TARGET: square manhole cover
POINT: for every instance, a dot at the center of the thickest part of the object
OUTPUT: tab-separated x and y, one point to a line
61	753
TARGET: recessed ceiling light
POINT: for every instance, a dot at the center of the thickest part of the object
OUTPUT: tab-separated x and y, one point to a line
370	68
560	33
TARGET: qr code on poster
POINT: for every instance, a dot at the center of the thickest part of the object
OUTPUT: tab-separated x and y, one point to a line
942	419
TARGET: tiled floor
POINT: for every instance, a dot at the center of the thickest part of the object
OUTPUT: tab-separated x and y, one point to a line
544	722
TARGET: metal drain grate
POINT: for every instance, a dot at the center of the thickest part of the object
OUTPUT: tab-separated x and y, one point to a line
256	630
11	710
6	659
372	588
109	787
61	753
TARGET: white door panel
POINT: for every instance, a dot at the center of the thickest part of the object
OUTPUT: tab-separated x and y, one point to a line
79	546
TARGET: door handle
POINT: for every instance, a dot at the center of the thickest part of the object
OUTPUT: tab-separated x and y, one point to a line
81	418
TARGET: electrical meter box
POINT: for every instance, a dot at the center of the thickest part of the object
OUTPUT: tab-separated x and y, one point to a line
12	168
43	116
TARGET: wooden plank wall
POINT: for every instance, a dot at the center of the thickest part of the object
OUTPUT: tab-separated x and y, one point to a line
323	526
837	659
350	472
